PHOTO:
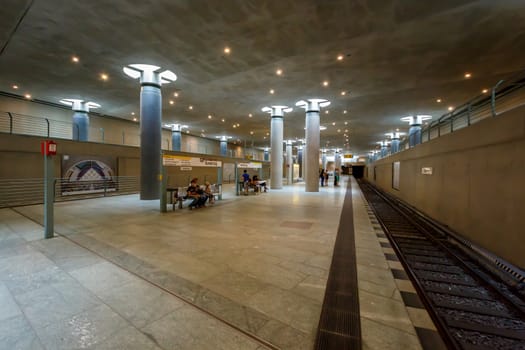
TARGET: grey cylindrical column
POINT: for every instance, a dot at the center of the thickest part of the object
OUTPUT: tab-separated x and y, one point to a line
176	140
305	152
276	176
150	125
289	162
323	160
313	139
414	135
394	147
300	161
80	126
150	140
266	155
224	147
337	160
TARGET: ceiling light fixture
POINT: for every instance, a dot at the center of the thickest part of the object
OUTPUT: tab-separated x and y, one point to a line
325	83
326	112
340	57
227	50
450	108
468	75
223	120
346	123
272	91
484	91
176	94
190	108
438	100
104	76
74	59
15	87
250	115
333	123
279	71
209	116
28	96
171	102
134	119
132	113
345	111
251	132
343	93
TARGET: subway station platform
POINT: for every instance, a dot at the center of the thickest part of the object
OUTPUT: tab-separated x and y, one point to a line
248	272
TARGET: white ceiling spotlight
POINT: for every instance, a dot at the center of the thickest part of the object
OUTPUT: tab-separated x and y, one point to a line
148	74
79	105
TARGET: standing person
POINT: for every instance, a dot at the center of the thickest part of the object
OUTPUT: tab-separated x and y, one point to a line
321	176
336	177
326	175
246	180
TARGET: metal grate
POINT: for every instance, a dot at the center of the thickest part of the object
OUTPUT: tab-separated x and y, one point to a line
339	324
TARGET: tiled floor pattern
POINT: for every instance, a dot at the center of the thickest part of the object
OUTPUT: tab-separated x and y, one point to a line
423	324
258	262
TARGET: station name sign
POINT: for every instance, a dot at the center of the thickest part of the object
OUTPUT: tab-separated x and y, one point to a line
251	165
182	161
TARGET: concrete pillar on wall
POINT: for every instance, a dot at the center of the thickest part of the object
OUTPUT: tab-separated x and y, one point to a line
337	159
266	154
300	160
277	113
150	125
414	133
80	117
303	165
176	136
224	145
313	138
384	148
289	162
394	141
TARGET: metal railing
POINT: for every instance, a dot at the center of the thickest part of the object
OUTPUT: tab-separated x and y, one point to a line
17	192
504	96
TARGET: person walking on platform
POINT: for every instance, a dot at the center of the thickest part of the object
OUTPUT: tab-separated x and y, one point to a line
321	176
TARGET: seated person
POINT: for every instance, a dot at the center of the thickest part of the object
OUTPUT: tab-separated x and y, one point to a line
198	196
255	183
209	193
259	183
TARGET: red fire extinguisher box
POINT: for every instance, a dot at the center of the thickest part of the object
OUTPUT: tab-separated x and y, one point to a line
48	148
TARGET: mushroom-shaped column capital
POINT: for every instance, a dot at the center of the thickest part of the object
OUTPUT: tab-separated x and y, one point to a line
78	105
313	104
277	111
149	74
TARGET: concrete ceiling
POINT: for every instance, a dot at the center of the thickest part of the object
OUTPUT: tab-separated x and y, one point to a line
399	57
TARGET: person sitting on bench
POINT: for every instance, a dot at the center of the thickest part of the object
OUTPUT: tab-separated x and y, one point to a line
194	191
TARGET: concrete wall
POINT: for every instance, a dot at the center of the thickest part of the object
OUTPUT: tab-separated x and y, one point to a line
477	185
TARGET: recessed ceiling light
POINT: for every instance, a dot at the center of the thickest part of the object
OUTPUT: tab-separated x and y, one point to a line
176	94
279	71
271	91
340	57
187	131
74	59
190	107
171	102
104	76
251	132
28	96
227	50
134	119
15	87
333	123
250	115
325	83
450	108
346	130
267	134
223	120
238	124
345	111
438	100
264	138
209	116
468	75
132	113
338	130
234	125
343	93
485	91
326	112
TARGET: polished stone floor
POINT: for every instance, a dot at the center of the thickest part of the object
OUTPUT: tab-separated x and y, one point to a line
246	273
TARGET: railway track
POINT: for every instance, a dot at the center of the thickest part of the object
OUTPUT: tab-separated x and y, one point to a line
473	308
